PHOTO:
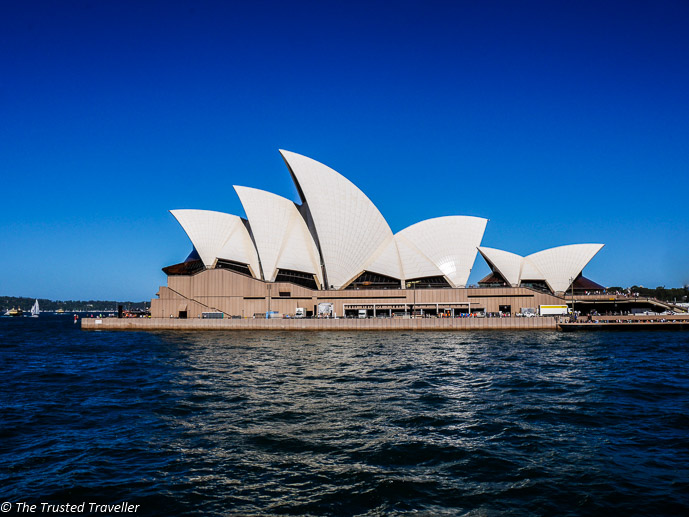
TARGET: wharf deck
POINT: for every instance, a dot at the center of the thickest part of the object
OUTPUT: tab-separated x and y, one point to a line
633	322
349	324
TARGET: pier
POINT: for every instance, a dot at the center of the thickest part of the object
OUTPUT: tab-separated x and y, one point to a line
628	322
321	324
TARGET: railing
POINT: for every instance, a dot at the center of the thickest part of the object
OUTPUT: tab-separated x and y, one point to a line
630	318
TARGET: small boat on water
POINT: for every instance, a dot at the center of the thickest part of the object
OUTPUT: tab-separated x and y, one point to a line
15	312
35	310
60	311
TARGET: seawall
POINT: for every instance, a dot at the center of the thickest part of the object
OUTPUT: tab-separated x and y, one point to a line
393	324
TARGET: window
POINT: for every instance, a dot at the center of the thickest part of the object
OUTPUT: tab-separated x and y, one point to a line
184	268
369	280
234	266
296	277
428	282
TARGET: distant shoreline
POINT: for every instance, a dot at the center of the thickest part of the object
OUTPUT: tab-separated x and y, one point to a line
25	303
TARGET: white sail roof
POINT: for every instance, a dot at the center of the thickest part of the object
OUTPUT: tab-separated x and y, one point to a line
415	264
448	242
529	271
280	233
508	264
561	265
350	229
558	267
354	237
386	260
218	235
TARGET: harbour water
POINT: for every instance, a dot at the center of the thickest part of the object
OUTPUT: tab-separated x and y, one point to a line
337	423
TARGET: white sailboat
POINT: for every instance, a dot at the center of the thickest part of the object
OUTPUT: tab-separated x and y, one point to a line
35	310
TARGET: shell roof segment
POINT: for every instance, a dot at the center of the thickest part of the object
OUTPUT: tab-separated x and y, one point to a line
350	228
414	262
282	238
218	235
450	243
558	266
561	265
386	260
508	264
529	271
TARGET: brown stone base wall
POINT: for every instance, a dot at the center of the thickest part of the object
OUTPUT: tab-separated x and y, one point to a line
320	324
222	290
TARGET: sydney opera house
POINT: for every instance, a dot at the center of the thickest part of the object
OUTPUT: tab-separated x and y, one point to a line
334	254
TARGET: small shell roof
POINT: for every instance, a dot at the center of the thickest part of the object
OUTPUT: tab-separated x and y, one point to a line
558	266
282	238
217	235
449	243
508	264
561	265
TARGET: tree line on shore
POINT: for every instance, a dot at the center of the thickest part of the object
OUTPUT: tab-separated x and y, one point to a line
673	294
24	303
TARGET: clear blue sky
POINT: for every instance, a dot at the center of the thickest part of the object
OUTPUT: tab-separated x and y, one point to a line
560	122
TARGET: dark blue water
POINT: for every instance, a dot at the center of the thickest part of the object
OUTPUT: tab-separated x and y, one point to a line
258	423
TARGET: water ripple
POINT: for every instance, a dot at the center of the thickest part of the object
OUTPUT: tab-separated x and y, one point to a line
252	423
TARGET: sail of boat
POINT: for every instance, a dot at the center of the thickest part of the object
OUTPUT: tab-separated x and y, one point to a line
35	310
